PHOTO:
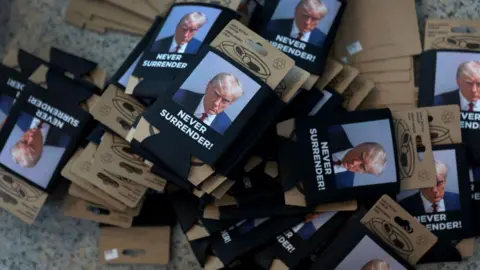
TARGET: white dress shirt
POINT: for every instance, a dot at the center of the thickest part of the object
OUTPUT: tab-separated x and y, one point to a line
339	156
174	45
200	110
427	205
294	33
464	103
35	123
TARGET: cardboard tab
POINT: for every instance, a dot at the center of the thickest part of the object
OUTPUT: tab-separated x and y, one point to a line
117	110
254	53
356	92
138	245
417	167
114	154
332	69
444	124
78	208
121	188
19	198
232	4
291	84
398	229
452	35
341	82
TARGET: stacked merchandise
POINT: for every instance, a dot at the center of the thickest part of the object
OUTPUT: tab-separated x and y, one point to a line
230	116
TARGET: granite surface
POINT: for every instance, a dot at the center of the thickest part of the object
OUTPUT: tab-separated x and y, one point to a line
58	242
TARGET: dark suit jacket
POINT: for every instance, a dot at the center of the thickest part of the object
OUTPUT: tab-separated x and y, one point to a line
339	142
163	45
284	27
448	98
306	231
190	100
414	204
55	137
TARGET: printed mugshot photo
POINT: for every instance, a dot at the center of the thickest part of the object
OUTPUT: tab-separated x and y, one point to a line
216	92
305	20
185	29
457	80
367	255
441	198
33	149
361	157
313	222
6	103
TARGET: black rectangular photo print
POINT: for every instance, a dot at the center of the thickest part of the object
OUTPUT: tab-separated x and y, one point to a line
175	44
444	209
205	110
475	193
351	157
357	248
453	77
39	136
303	29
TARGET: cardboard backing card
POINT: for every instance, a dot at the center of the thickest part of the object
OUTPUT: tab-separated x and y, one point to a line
451	35
356	246
160	62
393	64
81	69
209	143
78	208
447	215
321	157
412	134
123	189
440	85
248	234
296	243
146	8
20	198
122	75
137	245
356	92
55	127
114	154
444	124
343	79
332	69
308	50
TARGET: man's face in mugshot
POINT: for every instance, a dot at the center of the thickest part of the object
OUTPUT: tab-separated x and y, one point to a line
436	193
31	142
469	86
185	32
216	100
376	265
307	19
358	160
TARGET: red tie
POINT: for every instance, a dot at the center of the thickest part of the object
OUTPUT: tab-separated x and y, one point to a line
300	35
178	48
470	107
202	118
435	207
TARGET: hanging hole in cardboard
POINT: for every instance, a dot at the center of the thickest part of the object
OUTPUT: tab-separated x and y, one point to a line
134	252
463	29
98	211
124	124
420	147
405	224
256	46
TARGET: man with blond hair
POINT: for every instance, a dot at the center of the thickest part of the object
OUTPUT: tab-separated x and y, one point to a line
468	93
183	40
348	160
222	90
433	199
307	16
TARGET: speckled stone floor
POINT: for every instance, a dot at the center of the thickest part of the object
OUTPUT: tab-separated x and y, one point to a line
57	242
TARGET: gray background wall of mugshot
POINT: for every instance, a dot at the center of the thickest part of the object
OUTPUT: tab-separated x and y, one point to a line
445	156
210	66
42	172
365	251
358	133
170	25
446	73
286	10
